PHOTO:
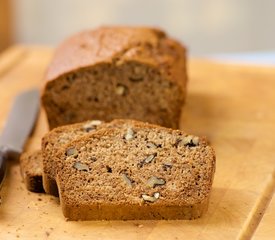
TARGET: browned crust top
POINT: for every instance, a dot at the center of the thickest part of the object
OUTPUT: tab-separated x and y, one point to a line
117	45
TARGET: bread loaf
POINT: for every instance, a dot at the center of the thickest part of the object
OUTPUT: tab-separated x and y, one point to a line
135	171
116	72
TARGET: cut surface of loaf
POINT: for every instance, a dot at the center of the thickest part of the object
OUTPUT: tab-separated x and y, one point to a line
116	72
135	171
55	139
31	170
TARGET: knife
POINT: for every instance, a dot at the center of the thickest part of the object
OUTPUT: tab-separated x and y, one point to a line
18	127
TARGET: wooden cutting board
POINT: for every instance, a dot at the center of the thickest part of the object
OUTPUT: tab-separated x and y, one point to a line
266	229
232	105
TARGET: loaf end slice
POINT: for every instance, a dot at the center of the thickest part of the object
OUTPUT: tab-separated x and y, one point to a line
54	140
31	170
135	171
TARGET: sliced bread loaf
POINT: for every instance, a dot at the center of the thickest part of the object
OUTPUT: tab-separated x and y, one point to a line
135	171
55	139
116	72
31	170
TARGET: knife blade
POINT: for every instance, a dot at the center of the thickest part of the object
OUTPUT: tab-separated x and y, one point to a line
18	127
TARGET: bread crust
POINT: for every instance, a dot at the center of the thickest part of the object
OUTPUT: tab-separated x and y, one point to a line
120	44
134	212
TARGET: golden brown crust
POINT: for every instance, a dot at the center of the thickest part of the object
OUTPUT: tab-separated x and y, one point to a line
120	44
134	212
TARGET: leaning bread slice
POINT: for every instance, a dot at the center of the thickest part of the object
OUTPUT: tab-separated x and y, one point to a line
55	139
31	170
135	171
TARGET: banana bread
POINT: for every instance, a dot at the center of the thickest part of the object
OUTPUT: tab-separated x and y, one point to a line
135	171
55	139
116	72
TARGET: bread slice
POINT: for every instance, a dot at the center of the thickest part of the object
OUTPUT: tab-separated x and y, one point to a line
135	171
31	170
55	139
116	72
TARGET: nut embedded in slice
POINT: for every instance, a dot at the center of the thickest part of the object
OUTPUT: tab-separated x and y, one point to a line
129	134
81	166
127	180
138	74
190	141
121	89
167	166
156	195
91	125
147	160
195	140
71	152
150	158
153	181
151	145
151	199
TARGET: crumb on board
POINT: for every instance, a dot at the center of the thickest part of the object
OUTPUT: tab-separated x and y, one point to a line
138	225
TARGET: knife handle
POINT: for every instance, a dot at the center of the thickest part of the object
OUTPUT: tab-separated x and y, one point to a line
4	152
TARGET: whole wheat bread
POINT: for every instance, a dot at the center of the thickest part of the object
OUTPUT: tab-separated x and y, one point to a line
116	72
135	171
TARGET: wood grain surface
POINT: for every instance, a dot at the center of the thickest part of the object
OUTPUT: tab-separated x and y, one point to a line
266	228
232	105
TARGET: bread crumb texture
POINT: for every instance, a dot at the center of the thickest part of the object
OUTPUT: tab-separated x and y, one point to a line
135	170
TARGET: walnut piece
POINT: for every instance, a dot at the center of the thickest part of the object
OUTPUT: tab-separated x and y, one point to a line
71	152
151	199
81	166
154	181
129	134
